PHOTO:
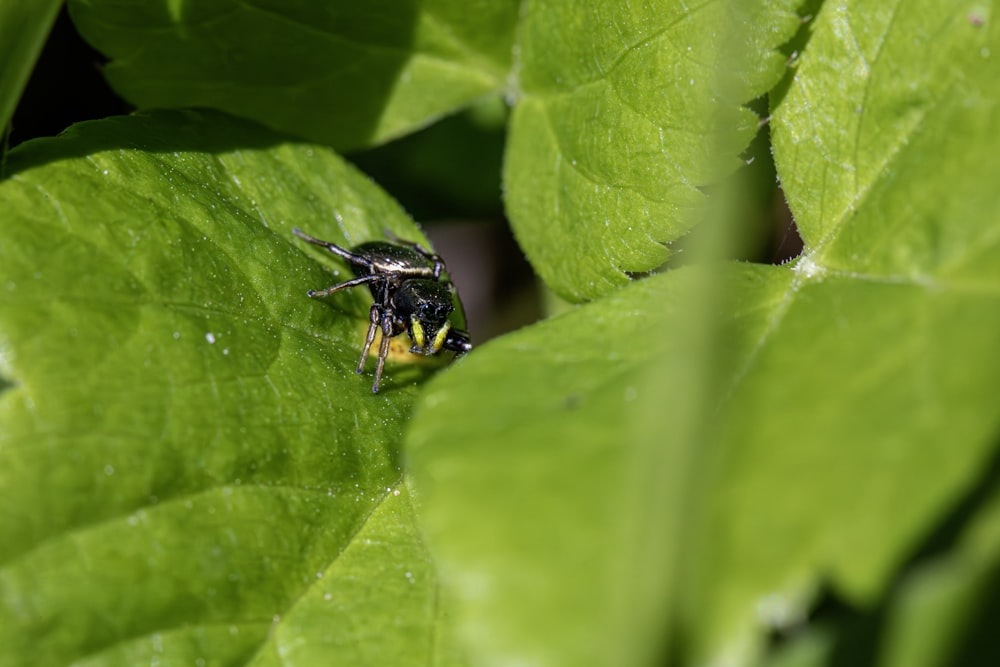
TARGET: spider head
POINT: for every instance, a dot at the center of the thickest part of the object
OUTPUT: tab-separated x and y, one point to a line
425	306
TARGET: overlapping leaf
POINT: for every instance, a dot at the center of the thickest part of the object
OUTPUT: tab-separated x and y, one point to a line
843	403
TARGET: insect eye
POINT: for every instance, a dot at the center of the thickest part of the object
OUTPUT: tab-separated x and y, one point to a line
435	311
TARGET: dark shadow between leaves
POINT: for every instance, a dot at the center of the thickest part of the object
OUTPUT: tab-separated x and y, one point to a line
324	72
760	228
382	48
793	47
66	87
157	131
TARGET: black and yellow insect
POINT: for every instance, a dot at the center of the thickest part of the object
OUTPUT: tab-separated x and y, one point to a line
409	294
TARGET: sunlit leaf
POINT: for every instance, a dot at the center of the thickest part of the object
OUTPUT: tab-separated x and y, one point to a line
624	109
191	469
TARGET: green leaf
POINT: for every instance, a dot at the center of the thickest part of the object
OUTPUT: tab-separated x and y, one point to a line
525	504
348	74
191	470
617	126
889	194
794	427
23	29
902	74
878	357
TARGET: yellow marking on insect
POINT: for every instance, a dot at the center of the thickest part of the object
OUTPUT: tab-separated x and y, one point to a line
439	338
418	332
399	349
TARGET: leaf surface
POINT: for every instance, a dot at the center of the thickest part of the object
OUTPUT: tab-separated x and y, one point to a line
191	469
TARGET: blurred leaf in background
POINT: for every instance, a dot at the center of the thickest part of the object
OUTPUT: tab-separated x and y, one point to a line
778	431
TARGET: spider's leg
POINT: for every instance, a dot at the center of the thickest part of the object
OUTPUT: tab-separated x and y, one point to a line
383	348
344	285
356	260
373	317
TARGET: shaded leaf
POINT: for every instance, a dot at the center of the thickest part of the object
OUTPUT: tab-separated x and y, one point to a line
347	74
23	29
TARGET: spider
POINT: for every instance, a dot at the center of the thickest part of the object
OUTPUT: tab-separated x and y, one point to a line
408	295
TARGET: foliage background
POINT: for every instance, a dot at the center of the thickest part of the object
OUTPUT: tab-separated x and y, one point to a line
709	458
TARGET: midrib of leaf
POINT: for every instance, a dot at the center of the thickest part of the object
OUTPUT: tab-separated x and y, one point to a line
54	201
333	559
75	533
861	191
900	140
806	272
